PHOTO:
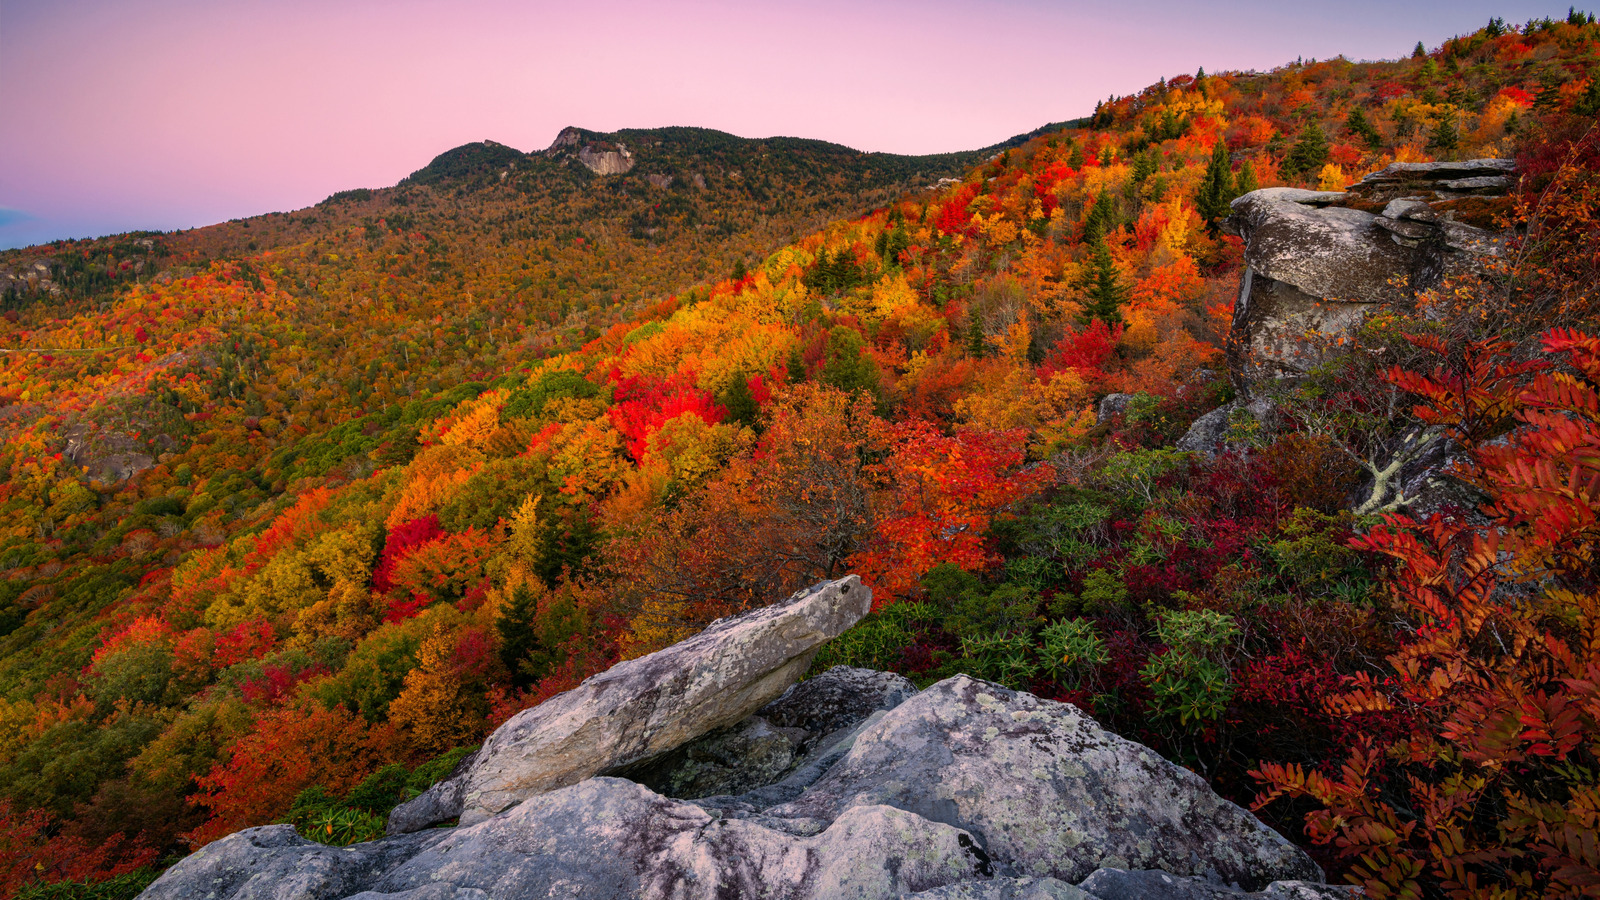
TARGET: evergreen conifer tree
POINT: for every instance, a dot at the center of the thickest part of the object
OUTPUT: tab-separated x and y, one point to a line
1419	51
1360	126
517	637
1446	138
1105	291
1309	153
1144	165
845	366
1216	188
975	337
1246	180
740	403
795	365
1100	220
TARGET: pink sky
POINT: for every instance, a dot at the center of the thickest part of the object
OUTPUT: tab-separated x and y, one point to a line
162	114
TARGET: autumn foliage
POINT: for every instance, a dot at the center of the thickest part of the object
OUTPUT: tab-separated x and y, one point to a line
283	521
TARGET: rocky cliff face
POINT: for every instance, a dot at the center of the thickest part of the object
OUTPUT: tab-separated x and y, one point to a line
599	157
1318	263
852	785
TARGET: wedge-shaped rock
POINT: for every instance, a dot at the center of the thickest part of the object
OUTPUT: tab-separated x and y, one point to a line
645	706
1045	790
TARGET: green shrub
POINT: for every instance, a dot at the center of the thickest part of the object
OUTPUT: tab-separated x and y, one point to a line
121	887
1004	658
1008	609
1191	680
1072	648
877	640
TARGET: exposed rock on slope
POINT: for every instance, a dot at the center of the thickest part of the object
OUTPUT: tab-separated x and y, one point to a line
965	790
1319	262
800	727
1044	790
599	157
645	706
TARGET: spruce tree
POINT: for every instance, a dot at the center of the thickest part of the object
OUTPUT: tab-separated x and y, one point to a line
1246	180
975	336
845	366
1105	290
1100	220
1309	153
1144	165
795	367
1361	127
517	637
1216	188
740	402
1446	138
1419	51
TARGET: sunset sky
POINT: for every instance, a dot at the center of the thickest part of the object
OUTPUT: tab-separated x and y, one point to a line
163	114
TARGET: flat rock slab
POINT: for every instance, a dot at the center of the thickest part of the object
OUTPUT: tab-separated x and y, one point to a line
603	839
644	707
1122	884
1333	252
274	862
1045	791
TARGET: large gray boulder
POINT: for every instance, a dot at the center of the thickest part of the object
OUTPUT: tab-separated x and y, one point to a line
1319	263
1122	884
1311	271
644	707
603	838
274	862
965	790
1045	791
837	699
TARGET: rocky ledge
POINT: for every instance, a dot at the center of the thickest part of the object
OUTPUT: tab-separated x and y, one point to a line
850	785
1319	262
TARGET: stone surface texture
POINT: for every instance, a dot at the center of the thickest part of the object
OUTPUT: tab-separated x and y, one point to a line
652	704
1145	884
1045	791
1318	262
963	791
765	748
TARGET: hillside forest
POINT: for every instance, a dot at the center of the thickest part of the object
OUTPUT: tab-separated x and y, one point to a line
297	508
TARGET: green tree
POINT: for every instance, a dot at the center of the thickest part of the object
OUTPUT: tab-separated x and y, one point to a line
740	403
1309	153
1246	181
845	366
1446	138
1101	219
1217	188
515	627
1106	292
975	335
1359	125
